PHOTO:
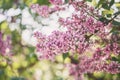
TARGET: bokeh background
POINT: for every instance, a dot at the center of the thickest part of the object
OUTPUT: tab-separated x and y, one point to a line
19	22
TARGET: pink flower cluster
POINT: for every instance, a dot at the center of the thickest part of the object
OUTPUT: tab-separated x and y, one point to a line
41	10
76	39
5	45
56	2
90	65
101	60
112	48
81	26
45	10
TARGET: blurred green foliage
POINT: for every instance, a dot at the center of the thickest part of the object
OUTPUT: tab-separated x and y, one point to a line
6	4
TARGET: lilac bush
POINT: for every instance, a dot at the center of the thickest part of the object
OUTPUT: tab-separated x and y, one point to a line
86	36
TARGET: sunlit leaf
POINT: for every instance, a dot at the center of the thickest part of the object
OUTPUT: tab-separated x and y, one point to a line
105	12
117	4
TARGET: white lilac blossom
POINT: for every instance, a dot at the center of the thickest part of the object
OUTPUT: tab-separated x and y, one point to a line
44	25
80	26
2	17
28	38
13	12
27	20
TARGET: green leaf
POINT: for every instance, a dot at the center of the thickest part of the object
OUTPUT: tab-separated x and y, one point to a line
105	12
116	23
6	4
114	59
103	19
43	2
32	58
89	0
1	72
65	55
100	3
109	15
66	1
17	78
31	49
105	6
117	4
94	2
111	3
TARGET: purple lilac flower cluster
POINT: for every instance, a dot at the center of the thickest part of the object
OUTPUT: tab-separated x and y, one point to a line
81	26
45	10
5	45
56	2
90	65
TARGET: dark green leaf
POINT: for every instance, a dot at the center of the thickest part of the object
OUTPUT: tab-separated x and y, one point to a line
111	3
114	59
43	2
66	1
103	19
17	78
116	23
108	15
65	55
100	3
105	6
1	72
89	0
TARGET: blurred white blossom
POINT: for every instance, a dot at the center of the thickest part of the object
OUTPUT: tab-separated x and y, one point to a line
13	12
14	26
2	17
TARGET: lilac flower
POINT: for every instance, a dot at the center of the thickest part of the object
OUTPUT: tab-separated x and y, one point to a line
5	45
113	67
56	2
112	48
41	10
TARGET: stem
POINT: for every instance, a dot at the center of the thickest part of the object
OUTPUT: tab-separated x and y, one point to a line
116	14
